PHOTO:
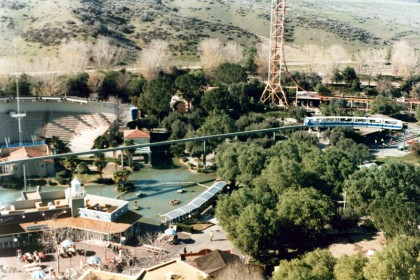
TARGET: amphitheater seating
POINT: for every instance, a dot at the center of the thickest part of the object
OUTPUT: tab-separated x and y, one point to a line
72	127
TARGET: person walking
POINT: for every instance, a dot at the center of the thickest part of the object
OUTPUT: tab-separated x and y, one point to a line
211	235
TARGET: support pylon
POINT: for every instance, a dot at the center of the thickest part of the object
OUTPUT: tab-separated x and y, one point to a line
274	91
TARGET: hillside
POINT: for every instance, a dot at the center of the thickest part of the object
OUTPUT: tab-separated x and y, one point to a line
42	25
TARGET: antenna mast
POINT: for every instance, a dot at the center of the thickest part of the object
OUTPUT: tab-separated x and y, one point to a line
18	115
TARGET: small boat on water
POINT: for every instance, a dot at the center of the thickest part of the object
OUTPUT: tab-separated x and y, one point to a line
139	194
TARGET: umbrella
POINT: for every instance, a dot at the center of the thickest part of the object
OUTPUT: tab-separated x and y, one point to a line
94	260
38	274
170	231
67	243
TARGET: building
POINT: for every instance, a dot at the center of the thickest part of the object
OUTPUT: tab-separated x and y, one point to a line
41	168
60	209
140	137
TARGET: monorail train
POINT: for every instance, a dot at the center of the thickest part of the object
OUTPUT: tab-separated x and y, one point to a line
353	121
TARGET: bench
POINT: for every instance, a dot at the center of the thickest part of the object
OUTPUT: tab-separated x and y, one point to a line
33	269
30	265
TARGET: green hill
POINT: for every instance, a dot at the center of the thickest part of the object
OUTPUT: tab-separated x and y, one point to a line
42	25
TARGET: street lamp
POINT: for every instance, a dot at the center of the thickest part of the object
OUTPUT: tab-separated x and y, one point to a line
15	240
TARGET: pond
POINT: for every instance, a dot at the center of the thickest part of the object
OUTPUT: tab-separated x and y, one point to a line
158	187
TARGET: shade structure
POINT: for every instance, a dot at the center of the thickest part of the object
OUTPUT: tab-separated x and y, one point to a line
94	260
67	243
38	274
196	203
170	231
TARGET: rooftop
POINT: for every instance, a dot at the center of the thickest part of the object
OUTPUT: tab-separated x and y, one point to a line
136	133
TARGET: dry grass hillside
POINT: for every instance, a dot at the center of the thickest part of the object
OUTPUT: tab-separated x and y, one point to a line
40	26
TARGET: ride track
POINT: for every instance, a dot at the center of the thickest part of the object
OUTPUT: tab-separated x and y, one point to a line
375	124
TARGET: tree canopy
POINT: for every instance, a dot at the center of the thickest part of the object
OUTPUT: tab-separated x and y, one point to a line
390	195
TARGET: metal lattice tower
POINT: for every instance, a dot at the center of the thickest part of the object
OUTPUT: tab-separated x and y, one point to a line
274	91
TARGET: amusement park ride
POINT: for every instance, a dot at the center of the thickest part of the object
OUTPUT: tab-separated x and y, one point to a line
274	91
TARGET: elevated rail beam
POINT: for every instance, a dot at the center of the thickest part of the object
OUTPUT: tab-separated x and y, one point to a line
170	142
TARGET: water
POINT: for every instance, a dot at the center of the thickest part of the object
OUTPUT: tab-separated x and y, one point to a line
158	187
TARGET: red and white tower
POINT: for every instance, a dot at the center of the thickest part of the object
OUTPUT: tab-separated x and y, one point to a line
274	91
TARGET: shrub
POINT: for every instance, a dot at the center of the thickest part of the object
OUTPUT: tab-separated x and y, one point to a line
184	227
83	168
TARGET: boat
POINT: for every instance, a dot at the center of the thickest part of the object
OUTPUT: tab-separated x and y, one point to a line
139	194
180	191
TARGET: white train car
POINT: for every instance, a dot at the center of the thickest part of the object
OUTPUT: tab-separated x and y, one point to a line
353	121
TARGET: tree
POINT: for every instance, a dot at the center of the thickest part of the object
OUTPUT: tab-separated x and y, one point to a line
313	56
389	195
156	97
229	73
250	60
316	265
417	114
336	107
106	54
191	86
215	123
83	168
70	163
216	99
95	83
74	55
258	220
51	238
385	106
57	145
100	162
263	56
233	53
78	85
350	77
153	59
211	54
120	177
399	260
404	60
350	267
129	152
100	142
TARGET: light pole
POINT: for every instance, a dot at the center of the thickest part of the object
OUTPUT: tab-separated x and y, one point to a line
15	241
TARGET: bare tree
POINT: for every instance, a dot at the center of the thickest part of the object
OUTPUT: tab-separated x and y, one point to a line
335	54
51	238
404	59
370	62
313	56
106	54
211	54
233	52
263	52
95	83
240	271
155	249
153	59
49	82
74	55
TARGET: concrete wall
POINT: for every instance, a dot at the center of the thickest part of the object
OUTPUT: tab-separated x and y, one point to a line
30	104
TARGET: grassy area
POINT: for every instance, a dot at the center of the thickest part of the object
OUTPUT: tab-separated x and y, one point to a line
184	23
410	158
